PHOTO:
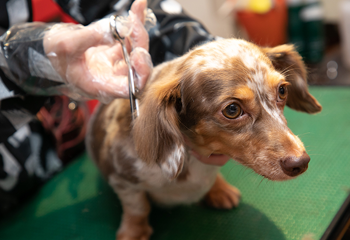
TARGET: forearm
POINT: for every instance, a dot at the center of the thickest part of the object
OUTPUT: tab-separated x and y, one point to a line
23	59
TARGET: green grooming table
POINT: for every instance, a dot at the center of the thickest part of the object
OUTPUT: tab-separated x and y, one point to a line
78	204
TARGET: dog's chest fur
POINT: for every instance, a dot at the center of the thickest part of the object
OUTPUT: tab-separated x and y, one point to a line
191	185
113	151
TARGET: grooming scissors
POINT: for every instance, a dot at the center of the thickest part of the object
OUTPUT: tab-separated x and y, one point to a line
134	105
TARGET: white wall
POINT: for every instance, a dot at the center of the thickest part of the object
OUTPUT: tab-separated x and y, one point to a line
206	11
331	8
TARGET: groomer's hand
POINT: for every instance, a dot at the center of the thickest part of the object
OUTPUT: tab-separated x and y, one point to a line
89	59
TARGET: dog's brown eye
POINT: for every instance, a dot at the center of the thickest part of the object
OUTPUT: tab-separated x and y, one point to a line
282	92
232	111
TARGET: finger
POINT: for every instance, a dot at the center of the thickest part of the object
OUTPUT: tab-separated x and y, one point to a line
101	86
139	36
116	87
83	39
138	7
90	36
109	88
115	53
142	65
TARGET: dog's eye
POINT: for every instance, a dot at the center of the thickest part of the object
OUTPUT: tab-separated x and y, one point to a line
232	111
282	92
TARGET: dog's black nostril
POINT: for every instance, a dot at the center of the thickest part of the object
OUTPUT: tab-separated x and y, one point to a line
293	166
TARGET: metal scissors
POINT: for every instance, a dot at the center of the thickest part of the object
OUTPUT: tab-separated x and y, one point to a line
134	105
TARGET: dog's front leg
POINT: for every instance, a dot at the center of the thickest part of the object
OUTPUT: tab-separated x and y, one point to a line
136	208
222	195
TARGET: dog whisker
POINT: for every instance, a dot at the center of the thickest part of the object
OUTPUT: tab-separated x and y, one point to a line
304	134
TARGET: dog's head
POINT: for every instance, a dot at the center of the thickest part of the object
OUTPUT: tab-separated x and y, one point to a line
227	97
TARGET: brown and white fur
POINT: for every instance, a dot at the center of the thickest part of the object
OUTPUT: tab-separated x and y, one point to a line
182	108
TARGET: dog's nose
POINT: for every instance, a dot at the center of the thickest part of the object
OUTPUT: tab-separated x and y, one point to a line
293	166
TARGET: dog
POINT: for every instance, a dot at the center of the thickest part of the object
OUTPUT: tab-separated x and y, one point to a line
222	98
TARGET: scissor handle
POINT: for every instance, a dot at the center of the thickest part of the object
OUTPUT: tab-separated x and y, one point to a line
113	27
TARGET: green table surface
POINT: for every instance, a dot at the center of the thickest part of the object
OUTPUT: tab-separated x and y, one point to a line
78	204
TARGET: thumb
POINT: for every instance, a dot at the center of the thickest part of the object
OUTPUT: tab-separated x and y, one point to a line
138	7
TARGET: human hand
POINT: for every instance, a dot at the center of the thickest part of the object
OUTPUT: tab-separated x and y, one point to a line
88	59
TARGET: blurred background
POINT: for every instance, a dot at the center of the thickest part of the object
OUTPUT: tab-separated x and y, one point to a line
78	204
318	28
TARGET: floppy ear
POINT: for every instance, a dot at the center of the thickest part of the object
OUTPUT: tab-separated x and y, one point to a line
156	132
287	61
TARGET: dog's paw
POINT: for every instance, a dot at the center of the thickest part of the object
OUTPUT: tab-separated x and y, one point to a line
135	234
134	230
222	195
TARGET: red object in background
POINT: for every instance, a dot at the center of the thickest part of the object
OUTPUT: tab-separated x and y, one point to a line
48	11
266	29
92	105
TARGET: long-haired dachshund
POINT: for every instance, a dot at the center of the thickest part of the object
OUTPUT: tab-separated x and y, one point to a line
224	98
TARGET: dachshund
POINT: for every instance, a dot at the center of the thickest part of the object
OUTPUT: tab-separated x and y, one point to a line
223	98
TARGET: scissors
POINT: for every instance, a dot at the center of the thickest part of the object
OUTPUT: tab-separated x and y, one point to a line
134	105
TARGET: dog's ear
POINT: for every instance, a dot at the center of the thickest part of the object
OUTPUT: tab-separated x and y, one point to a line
287	61
156	131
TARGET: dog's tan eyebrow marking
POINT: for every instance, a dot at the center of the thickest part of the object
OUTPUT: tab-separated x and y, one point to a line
244	93
274	79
